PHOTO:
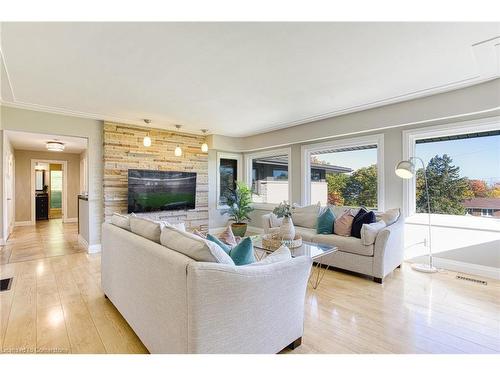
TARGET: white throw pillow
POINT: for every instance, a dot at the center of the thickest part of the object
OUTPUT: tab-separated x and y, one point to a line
369	232
180	226
121	221
146	228
390	216
193	246
275	221
280	255
306	217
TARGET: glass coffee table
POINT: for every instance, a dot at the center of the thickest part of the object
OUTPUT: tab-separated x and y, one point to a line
315	251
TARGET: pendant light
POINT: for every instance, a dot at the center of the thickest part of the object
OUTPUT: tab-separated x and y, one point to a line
178	149
204	146
147	139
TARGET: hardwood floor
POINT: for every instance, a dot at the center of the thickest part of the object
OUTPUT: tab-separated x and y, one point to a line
56	305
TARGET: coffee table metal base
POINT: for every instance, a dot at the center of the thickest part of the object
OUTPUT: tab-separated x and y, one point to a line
317	273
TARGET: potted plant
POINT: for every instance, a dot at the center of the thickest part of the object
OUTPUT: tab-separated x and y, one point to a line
239	202
287	230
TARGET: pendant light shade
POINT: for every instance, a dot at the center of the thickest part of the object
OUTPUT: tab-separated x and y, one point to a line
405	169
146	141
204	146
178	151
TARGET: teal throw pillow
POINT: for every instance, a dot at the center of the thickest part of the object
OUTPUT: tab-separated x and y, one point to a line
325	222
223	246
242	253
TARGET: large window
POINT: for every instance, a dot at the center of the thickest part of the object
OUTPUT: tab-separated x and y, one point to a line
463	173
228	168
345	172
268	175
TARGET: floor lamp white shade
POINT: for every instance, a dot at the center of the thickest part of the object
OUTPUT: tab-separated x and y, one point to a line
406	170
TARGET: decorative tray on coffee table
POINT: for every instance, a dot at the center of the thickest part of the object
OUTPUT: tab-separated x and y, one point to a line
274	241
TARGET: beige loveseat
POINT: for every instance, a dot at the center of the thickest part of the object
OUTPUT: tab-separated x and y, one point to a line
178	305
376	260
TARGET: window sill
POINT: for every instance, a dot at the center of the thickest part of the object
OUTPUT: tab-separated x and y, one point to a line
456	221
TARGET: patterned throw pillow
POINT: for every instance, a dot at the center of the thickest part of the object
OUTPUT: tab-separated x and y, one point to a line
228	237
343	224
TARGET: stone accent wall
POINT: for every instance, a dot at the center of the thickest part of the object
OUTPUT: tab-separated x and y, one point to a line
124	150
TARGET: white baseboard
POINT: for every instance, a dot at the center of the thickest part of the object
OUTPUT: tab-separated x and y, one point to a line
23	223
71	220
93	249
463	267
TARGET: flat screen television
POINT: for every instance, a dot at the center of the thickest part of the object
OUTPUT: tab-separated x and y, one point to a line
150	191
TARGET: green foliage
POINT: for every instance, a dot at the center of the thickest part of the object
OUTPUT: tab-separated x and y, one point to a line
447	190
239	201
357	189
283	210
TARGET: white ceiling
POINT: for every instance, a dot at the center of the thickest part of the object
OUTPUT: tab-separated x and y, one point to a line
236	78
37	142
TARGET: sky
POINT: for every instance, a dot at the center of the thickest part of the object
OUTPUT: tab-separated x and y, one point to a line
478	158
351	159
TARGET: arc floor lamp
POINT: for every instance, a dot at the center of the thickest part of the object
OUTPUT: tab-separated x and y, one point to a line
406	170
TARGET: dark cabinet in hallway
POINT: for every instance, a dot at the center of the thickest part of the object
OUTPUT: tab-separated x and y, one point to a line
42	207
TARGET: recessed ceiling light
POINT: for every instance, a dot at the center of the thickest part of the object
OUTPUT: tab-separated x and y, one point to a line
55	146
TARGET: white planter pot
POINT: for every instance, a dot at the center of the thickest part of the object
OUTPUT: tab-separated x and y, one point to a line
287	230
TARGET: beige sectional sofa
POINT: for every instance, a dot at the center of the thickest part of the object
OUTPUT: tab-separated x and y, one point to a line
176	304
376	260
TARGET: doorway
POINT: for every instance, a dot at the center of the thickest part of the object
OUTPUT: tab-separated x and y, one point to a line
49	190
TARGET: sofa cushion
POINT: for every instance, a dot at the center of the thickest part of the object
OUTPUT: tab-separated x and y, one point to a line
121	221
369	232
306	233
343	224
193	246
351	245
146	228
306	216
243	254
362	217
280	255
325	222
390	216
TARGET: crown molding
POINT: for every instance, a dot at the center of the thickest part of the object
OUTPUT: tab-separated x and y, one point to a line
95	116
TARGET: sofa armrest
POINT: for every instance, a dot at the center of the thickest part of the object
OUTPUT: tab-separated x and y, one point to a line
389	249
242	309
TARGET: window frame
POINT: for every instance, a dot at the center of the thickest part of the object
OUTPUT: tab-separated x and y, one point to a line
239	172
309	149
409	138
248	157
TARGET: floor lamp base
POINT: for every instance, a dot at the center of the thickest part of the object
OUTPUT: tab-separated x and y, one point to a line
424	268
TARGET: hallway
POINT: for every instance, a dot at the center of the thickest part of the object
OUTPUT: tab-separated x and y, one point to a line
46	239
